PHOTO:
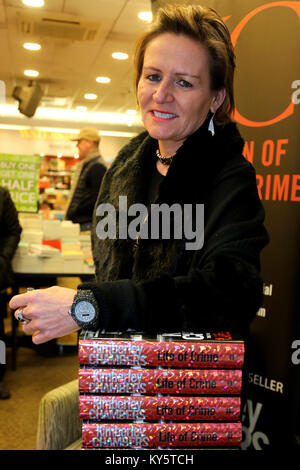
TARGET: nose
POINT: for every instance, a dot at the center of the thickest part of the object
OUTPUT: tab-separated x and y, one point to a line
163	92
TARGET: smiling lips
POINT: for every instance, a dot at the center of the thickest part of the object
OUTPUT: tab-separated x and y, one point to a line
163	115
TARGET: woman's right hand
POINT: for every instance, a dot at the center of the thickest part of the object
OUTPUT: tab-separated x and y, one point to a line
47	312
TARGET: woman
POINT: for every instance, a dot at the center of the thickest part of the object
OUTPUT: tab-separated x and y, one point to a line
190	155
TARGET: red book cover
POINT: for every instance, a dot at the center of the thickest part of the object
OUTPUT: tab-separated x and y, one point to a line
153	408
211	350
145	435
160	381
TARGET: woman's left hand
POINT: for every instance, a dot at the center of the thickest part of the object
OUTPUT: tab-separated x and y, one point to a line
47	312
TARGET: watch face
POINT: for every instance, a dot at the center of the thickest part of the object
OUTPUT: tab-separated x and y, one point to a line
84	311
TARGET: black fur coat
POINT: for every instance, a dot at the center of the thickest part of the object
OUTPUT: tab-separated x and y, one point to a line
159	285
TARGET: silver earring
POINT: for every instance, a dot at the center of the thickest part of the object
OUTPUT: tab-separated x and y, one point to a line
211	126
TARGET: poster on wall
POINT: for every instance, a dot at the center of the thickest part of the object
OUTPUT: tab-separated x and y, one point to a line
266	38
20	175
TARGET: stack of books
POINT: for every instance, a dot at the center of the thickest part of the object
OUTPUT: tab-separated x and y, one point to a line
166	392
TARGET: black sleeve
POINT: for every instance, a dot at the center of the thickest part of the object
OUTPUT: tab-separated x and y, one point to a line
225	294
223	288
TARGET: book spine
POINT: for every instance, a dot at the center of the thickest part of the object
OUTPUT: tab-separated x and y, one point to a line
219	355
153	408
162	381
153	435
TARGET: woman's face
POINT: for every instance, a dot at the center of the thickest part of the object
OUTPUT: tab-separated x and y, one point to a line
174	89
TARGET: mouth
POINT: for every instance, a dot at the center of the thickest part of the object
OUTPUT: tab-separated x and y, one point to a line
163	115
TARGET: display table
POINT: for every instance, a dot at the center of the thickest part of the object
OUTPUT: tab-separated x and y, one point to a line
35	280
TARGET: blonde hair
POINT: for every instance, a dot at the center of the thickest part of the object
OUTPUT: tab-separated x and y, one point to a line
207	27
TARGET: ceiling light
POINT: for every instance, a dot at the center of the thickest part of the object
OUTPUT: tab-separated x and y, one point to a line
90	96
33	3
103	79
31	73
59	114
17	127
81	108
145	15
50	101
120	55
131	112
31	46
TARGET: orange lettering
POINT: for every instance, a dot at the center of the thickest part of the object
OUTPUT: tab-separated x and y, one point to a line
280	187
267	153
259	183
280	151
268	187
234	37
295	188
248	152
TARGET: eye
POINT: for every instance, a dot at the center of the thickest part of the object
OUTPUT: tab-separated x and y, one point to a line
184	84
153	77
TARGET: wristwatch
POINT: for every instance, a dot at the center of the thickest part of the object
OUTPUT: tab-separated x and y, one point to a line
85	310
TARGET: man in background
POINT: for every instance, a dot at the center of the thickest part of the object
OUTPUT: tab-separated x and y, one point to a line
87	180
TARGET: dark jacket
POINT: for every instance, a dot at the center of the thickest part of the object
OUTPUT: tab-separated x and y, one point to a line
86	192
10	232
158	285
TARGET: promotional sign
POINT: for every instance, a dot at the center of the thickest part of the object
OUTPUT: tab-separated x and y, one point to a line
266	38
20	175
267	94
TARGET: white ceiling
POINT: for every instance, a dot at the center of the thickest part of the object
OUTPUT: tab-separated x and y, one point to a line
68	66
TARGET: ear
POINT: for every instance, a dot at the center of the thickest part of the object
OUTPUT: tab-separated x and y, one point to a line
217	100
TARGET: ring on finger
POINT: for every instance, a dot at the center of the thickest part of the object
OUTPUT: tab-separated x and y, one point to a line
21	317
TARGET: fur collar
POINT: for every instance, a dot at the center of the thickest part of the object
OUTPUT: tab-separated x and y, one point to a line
189	180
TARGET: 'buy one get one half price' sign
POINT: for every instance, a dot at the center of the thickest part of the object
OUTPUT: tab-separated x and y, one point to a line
20	175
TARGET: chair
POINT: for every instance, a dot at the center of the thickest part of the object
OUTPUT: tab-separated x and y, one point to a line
59	425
